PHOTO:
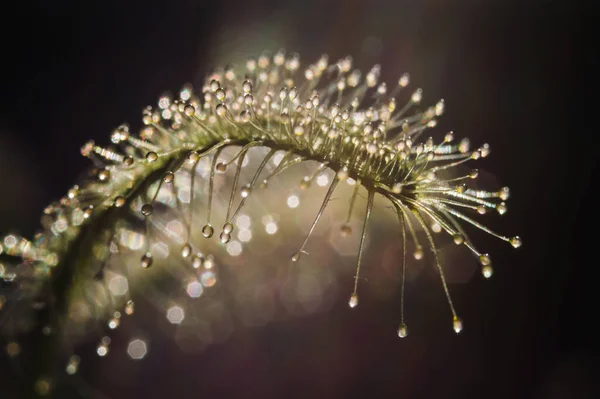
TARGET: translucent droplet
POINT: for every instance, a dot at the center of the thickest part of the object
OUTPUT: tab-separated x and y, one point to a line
485	260
296	256
193	157
73	365
342	174
458	238
221	109
487	271
402	331
208	231
501	208
504	193
88	211
146	260
225	237
186	250
128	161
151	156
168	177
147	209
247	86
221	167
197	260
189	110
103	175
457	324
245	191
227	228
119	201
419	253
353	302
345	230
516	242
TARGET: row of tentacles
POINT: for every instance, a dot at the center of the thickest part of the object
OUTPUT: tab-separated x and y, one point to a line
329	114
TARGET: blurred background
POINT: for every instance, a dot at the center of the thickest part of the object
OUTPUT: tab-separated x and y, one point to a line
512	74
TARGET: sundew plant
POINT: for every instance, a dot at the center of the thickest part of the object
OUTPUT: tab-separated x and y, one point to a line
156	203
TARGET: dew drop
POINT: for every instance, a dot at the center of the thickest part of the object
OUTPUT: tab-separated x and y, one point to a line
193	157
147	209
247	86
221	109
457	324
418	254
458	239
119	201
225	237
487	271
485	260
402	331
245	191
146	261
186	250
168	177
189	110
103	175
516	242
345	230
353	302
227	228
87	213
221	167
151	156
208	231
501	208
197	260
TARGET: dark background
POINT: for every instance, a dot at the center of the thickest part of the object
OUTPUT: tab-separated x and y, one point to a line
515	75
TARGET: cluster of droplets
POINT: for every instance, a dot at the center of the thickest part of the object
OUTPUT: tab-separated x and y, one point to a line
328	113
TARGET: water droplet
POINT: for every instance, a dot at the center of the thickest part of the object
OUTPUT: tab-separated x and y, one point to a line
119	201
245	191
151	156
418	254
221	109
227	228
457	324
345	230
197	260
146	261
186	250
402	331
168	177
487	271
103	175
501	208
221	167
147	209
458	239
353	302
516	242
193	157
485	260
208	231
225	237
